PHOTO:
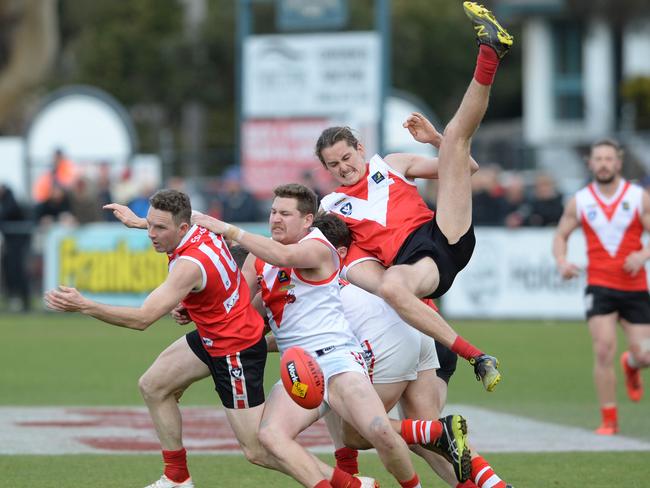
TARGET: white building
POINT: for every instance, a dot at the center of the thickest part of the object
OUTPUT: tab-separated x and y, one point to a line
573	68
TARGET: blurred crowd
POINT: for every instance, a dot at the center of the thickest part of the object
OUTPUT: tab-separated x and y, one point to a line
66	195
510	199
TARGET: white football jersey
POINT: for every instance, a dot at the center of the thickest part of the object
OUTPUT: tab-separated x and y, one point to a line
302	312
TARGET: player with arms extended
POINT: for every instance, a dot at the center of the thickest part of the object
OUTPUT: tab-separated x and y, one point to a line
613	214
228	341
402	251
297	272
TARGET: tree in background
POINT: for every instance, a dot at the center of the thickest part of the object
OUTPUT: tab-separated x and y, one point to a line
29	41
179	85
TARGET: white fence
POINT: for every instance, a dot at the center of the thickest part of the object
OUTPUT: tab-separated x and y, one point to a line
512	274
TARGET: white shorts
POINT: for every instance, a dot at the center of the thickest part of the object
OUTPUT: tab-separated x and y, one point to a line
428	354
398	354
342	359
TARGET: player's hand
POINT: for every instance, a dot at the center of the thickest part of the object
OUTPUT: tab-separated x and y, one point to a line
568	270
210	223
125	215
64	299
180	315
634	263
422	130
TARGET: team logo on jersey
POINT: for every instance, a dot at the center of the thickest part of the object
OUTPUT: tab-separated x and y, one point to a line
378	177
206	341
283	276
626	205
287	287
346	209
236	373
591	215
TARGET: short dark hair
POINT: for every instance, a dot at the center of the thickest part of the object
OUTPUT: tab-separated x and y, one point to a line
239	254
331	136
306	198
334	229
175	202
613	143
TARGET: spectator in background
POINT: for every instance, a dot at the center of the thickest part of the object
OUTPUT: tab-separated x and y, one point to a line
310	182
104	191
84	202
237	204
125	189
516	206
15	250
546	205
63	173
140	203
488	203
55	209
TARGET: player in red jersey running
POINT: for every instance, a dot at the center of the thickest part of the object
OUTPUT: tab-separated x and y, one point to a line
228	342
402	251
613	214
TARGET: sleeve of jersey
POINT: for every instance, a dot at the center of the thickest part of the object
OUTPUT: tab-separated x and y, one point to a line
355	256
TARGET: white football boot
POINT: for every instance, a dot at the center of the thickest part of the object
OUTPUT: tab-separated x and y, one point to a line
165	482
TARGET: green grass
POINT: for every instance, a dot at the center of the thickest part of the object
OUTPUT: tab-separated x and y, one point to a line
55	359
595	470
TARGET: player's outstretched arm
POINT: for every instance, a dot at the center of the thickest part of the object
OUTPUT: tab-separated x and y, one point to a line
125	215
416	166
304	255
185	276
568	223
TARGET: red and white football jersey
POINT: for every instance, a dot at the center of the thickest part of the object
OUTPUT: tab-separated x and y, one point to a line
302	312
221	308
381	209
613	229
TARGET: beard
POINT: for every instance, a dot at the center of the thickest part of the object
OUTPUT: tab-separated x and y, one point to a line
605	179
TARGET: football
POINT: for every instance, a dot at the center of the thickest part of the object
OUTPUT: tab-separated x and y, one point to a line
302	377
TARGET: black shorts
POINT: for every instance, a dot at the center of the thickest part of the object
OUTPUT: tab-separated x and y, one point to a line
632	306
428	241
238	378
447	360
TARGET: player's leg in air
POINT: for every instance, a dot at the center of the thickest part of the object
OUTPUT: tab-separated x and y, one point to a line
454	200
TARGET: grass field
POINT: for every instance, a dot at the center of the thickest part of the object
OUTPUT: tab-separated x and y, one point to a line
52	359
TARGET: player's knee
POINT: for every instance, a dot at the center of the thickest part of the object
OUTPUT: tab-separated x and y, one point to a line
393	291
150	389
270	438
256	454
382	436
604	353
455	132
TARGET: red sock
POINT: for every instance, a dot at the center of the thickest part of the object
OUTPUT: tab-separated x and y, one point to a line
323	484
487	63
420	431
176	465
609	415
412	483
465	349
341	479
347	460
484	475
